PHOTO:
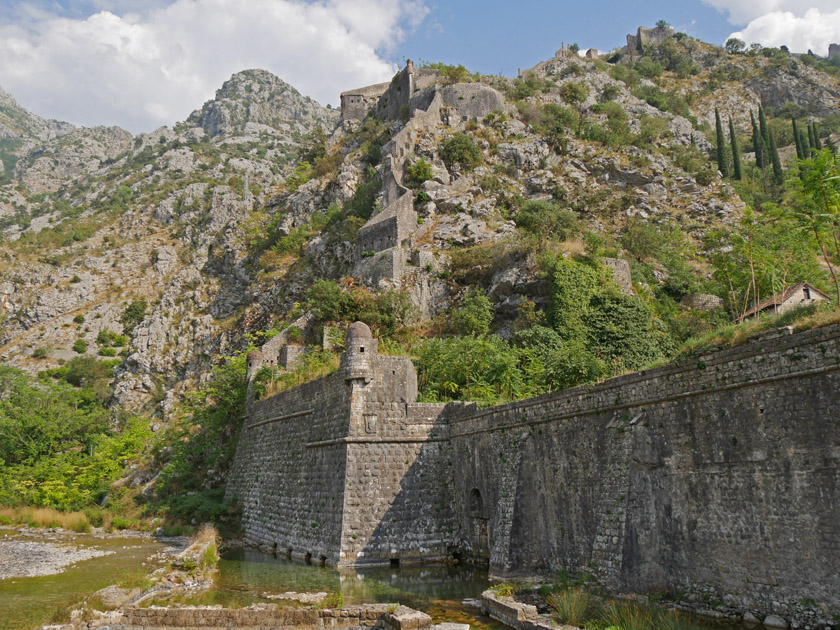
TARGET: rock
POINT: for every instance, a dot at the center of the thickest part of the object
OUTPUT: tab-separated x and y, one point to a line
750	619
774	621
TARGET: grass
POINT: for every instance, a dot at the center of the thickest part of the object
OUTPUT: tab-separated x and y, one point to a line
803	318
45	517
630	616
575	606
572	606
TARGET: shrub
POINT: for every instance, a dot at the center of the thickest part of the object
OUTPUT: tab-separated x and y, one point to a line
40	353
418	172
80	346
79	319
460	149
547	220
553	124
474	315
573	92
107	352
134	313
648	68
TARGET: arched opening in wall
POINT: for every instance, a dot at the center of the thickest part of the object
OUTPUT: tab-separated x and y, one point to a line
395	562
289	552
308	558
476	504
274	549
322	561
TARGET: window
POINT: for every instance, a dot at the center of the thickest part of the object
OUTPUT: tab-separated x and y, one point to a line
807	292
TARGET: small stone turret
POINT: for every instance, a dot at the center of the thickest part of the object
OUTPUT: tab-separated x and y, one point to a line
255	361
360	351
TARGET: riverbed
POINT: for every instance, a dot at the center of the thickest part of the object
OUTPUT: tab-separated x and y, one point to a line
43	572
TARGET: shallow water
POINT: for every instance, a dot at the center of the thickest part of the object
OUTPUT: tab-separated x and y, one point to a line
438	590
27	603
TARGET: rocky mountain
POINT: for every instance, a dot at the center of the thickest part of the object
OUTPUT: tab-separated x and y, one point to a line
195	240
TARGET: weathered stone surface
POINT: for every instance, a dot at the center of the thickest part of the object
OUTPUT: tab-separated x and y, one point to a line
628	471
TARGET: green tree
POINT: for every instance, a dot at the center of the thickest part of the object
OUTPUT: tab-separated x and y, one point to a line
722	160
460	149
805	143
735	46
817	144
546	219
778	174
758	145
474	315
800	154
763	128
737	172
818	210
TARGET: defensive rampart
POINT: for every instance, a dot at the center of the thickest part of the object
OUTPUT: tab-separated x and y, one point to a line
716	479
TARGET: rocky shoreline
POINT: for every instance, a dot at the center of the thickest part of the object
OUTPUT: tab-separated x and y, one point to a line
27	552
20	558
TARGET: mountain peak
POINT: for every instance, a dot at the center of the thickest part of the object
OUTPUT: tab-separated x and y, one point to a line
260	98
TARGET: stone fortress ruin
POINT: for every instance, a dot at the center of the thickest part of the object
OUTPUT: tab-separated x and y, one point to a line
716	479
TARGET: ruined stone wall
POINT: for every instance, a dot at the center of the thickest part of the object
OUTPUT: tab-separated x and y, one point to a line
717	478
292	494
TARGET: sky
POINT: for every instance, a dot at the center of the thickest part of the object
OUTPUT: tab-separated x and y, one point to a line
141	64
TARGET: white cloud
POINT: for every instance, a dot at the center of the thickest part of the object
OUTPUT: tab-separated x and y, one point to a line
813	30
145	69
744	11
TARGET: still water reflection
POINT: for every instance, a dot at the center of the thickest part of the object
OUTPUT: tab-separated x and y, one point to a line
436	589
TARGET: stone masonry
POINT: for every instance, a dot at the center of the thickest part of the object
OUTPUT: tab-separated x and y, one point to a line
716	479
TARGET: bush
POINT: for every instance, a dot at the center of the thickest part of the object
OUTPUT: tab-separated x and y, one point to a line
648	68
474	315
107	352
417	173
547	220
460	149
40	353
134	314
573	92
80	346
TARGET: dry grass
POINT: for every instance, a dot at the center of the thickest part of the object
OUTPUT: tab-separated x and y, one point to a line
44	517
732	335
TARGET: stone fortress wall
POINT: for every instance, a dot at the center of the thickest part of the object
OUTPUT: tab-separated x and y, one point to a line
386	243
716	478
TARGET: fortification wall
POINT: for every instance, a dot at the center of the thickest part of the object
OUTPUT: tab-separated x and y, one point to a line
717	479
293	495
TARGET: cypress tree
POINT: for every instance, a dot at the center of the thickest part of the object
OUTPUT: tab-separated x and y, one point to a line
799	153
817	141
723	163
806	146
762	125
778	175
756	142
811	136
736	151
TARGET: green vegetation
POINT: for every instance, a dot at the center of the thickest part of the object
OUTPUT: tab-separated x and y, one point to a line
418	172
460	149
203	439
59	446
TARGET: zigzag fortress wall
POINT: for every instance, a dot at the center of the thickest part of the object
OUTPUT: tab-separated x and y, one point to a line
717	478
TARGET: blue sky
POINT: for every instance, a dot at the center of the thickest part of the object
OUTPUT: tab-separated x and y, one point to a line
495	36
141	64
